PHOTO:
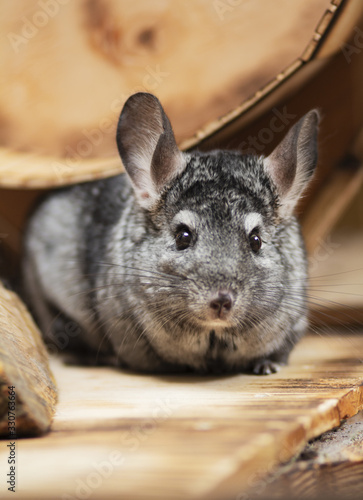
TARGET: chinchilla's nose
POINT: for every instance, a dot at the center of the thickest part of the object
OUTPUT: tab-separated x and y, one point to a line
220	304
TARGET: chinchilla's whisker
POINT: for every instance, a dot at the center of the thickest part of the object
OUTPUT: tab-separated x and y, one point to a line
327	303
323	285
134	268
120	285
142	334
161	274
298	307
176	293
323	301
108	322
293	303
122	275
123	341
337	292
105	337
336	274
126	275
327	311
153	308
314	278
164	319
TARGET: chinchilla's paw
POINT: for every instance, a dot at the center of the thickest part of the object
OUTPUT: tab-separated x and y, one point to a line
266	367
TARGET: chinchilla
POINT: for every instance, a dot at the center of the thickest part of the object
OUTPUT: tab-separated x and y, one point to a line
187	262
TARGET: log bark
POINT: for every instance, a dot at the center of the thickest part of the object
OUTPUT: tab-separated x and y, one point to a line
27	387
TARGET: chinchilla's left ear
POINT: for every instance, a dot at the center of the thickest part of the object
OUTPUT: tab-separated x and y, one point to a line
292	163
147	147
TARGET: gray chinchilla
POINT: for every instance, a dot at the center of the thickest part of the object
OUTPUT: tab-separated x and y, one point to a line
189	261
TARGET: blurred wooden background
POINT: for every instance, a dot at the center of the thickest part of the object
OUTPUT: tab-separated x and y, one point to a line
225	71
71	65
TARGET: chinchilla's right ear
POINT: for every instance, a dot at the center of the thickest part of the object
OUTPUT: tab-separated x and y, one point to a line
292	163
147	147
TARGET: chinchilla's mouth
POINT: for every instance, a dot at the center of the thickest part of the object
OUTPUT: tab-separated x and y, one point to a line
215	323
206	318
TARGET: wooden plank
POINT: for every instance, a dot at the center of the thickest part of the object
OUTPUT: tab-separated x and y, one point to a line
18	169
123	435
329	467
349	15
27	386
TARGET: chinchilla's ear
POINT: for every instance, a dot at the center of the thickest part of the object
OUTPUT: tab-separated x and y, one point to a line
147	147
292	163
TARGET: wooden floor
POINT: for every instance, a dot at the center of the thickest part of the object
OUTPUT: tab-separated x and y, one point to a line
122	435
330	467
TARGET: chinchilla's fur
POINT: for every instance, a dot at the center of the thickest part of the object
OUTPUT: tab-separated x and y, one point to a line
189	261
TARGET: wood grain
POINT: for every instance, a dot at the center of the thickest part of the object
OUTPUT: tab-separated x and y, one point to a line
30	171
202	60
24	365
329	467
122	435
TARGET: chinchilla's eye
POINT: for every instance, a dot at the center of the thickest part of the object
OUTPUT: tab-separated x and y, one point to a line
255	241
183	238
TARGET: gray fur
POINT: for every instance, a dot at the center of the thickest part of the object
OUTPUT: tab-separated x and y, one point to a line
105	254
